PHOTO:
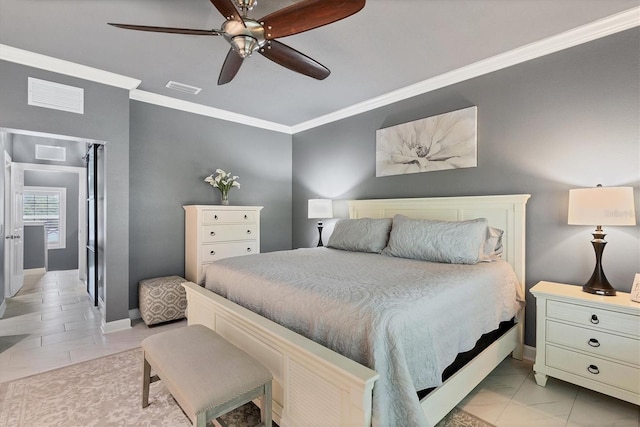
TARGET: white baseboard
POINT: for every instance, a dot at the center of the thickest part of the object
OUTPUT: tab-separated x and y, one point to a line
529	353
33	271
134	314
115	326
3	307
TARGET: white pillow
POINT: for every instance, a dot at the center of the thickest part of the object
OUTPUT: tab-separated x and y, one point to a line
492	246
360	235
454	242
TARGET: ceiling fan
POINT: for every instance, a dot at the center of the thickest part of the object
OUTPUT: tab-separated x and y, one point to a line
247	35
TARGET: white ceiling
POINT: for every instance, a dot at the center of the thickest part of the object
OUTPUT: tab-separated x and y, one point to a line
387	46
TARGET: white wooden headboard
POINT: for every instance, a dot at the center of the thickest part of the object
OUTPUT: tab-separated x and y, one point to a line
506	212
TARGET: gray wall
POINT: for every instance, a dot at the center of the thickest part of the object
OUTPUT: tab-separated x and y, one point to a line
567	120
6	144
171	154
106	118
25	150
64	258
35	251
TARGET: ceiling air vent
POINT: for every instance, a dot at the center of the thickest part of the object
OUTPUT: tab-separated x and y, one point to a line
56	96
48	152
181	87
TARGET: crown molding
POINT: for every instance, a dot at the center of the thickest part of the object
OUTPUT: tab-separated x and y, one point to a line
203	110
583	34
49	63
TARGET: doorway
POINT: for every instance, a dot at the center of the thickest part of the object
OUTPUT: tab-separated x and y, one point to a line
20	150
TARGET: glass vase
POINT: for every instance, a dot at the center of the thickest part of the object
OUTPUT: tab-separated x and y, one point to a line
225	199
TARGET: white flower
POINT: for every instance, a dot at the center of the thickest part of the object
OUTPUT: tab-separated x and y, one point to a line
223	181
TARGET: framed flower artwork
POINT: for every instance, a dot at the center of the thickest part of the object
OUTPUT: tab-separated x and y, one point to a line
445	141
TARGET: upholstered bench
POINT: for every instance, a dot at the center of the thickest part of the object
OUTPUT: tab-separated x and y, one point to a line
207	375
162	299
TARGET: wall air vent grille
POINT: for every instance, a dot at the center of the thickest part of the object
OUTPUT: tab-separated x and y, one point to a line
181	87
56	96
48	152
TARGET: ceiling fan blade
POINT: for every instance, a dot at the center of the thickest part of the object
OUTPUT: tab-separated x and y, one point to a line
228	9
230	68
290	58
167	30
307	15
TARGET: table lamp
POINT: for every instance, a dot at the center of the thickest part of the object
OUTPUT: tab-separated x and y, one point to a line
320	209
601	206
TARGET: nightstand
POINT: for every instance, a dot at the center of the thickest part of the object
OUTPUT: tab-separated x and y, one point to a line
589	340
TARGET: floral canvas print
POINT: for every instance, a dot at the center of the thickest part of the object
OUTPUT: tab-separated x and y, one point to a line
446	141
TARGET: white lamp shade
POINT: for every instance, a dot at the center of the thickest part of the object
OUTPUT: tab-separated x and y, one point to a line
320	208
602	206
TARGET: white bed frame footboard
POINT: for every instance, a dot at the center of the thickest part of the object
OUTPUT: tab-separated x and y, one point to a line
316	386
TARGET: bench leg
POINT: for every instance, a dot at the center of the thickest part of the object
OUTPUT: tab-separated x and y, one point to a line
265	406
146	380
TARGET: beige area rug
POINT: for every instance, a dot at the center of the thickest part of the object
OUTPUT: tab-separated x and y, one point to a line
106	392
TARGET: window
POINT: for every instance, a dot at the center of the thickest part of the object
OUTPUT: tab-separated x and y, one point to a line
47	205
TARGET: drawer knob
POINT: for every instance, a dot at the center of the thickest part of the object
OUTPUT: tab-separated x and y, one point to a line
594	342
248	249
248	231
246	217
213	233
593	369
215	217
212	253
594	319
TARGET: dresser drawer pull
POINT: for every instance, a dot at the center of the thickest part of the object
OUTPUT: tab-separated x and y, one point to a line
212	253
246	217
594	342
248	249
248	231
213	233
215	217
593	369
594	319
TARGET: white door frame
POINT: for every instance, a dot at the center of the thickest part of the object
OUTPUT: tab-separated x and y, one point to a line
8	226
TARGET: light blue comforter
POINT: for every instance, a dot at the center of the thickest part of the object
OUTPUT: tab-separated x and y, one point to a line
405	319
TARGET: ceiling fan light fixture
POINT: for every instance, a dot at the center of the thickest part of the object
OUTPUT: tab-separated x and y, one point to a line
244	45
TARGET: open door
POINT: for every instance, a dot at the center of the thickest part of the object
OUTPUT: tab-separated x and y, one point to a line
92	223
14	227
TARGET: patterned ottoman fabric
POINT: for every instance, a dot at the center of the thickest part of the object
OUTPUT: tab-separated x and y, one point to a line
162	299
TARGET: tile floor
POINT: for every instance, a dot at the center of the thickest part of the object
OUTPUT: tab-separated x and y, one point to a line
50	323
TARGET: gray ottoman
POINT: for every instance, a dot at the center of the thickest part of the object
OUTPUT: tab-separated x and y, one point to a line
162	299
205	374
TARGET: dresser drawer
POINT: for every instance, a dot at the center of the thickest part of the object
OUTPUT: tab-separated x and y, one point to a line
219	216
218	251
595	342
594	368
595	318
223	233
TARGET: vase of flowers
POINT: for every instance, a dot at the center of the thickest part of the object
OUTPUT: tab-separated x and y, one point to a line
224	182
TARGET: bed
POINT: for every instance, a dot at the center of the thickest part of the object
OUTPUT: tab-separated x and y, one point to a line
314	385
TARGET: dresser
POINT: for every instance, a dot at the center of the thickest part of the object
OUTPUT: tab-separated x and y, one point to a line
217	232
589	340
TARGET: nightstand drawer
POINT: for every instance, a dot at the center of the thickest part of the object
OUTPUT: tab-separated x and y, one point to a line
594	368
219	216
226	250
594	342
222	233
595	318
